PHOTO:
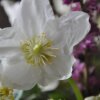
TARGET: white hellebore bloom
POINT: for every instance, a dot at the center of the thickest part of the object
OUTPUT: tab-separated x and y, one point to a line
50	87
93	97
37	48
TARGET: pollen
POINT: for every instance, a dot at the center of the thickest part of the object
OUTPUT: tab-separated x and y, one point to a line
6	93
38	50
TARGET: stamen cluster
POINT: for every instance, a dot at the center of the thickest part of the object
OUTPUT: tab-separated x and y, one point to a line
38	50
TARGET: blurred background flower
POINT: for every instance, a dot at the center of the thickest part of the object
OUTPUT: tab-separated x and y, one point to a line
93	98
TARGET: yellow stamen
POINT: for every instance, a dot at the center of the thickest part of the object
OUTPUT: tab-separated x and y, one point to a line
38	50
6	94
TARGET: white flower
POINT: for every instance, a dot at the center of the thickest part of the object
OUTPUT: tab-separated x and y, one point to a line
93	98
37	49
50	87
90	98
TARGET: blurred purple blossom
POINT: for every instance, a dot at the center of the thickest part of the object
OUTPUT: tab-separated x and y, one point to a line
91	5
67	1
99	8
78	69
78	72
76	6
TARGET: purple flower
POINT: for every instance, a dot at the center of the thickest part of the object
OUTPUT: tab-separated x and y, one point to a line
78	69
76	6
67	2
91	6
99	8
78	72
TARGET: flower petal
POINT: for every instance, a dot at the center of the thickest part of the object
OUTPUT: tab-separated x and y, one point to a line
33	16
1	68
6	33
76	26
90	98
9	41
50	87
60	69
10	84
53	32
19	73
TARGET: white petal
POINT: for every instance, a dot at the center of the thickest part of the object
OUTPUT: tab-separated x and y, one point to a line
90	98
61	68
6	33
33	16
9	41
8	83
54	33
76	26
49	87
19	73
1	68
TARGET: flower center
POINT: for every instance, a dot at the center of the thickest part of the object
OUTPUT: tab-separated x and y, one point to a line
38	50
6	94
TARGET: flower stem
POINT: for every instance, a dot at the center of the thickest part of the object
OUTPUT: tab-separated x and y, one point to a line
75	89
